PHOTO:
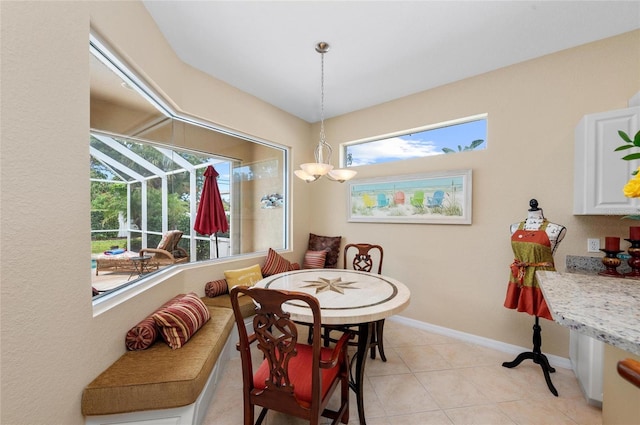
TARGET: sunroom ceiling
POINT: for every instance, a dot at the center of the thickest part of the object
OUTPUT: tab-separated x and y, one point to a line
125	161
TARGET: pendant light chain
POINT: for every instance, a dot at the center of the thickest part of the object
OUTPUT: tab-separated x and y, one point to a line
322	135
311	172
323	152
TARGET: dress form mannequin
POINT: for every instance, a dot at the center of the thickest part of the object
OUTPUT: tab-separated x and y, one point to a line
534	241
535	219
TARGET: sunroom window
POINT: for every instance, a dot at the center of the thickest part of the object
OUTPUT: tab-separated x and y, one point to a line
146	172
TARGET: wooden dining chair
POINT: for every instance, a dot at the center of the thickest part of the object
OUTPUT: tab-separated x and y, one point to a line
367	258
629	369
364	257
294	378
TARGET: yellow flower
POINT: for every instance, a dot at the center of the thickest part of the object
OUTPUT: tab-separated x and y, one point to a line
632	188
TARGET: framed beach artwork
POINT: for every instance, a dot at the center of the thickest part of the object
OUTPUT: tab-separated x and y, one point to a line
431	198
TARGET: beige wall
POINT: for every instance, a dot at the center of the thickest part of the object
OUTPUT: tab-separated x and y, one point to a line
52	346
458	274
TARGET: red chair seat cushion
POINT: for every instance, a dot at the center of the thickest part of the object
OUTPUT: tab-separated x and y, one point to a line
300	373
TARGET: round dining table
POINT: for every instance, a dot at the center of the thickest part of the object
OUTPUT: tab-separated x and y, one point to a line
346	297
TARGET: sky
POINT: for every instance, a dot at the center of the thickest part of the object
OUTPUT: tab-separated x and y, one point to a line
417	145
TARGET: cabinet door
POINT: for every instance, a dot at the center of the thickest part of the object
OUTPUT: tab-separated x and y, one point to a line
587	357
599	172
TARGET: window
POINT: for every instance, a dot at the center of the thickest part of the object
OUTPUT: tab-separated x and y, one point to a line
127	174
146	172
444	138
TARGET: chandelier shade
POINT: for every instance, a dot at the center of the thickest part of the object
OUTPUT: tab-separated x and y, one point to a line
312	171
341	175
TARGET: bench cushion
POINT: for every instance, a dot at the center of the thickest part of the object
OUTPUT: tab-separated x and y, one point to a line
159	377
247	307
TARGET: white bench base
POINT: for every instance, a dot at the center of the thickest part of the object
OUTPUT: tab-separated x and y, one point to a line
193	414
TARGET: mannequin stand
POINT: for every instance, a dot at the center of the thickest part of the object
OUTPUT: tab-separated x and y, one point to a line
537	357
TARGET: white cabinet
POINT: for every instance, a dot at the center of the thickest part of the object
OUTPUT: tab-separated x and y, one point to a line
587	357
599	172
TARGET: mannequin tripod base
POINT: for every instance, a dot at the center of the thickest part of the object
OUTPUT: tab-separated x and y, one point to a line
537	357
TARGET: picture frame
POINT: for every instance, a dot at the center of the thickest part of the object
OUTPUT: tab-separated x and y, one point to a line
443	197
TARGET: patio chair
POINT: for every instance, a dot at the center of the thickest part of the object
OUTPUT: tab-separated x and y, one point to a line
398	198
369	202
417	200
436	200
383	201
118	263
293	378
168	252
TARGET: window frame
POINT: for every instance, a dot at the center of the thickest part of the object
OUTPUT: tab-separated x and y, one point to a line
103	53
458	121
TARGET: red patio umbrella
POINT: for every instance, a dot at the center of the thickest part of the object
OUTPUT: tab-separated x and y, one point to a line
211	217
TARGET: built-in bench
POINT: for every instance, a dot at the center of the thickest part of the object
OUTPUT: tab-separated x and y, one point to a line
161	385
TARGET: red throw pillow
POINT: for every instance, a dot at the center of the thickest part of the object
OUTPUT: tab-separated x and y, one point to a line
180	321
216	287
329	243
276	263
145	333
314	260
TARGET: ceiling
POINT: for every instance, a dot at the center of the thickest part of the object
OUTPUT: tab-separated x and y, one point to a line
380	50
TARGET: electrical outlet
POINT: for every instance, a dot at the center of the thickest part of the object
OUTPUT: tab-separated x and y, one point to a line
593	245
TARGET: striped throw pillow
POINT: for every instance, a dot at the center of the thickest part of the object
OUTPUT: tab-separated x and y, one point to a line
145	333
180	321
329	243
275	263
216	287
314	259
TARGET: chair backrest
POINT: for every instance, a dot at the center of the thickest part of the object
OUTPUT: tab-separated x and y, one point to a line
418	198
364	256
369	202
169	240
276	335
438	197
398	198
383	201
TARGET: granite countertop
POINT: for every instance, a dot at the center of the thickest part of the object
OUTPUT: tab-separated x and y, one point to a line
604	308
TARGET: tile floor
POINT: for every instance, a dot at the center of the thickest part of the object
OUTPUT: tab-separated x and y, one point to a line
433	379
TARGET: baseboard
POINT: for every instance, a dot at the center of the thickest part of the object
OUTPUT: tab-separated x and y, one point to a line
514	350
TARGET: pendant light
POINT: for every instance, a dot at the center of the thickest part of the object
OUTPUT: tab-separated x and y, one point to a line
313	171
